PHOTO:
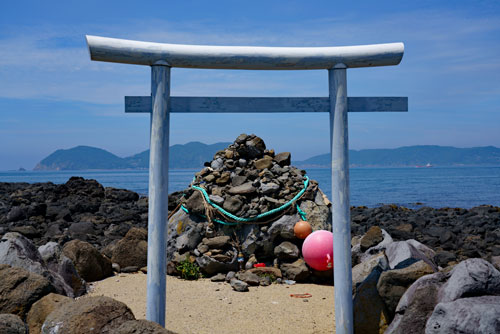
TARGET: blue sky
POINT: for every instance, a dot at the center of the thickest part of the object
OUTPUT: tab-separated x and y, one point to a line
52	96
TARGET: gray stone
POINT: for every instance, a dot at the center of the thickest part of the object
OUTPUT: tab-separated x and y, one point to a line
286	251
217	164
15	214
132	249
12	324
243	189
195	203
218	278
495	261
416	305
238	285
467	315
217	242
283	158
188	240
363	256
210	266
230	275
392	284
248	277
216	199
238	180
242	162
81	230
472	277
297	271
369	309
403	253
283	227
269	188
442	258
361	271
116	267
232	204
319	217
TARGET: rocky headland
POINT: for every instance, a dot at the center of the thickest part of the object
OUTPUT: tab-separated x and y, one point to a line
55	238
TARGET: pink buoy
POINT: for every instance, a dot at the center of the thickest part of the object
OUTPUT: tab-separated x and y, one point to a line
317	250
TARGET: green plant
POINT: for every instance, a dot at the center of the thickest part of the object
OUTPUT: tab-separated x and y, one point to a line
188	270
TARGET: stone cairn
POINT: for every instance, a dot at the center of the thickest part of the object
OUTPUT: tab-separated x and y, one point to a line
249	181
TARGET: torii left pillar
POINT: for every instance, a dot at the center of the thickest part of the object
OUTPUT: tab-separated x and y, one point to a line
158	192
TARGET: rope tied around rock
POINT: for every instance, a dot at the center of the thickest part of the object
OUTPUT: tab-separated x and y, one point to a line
211	209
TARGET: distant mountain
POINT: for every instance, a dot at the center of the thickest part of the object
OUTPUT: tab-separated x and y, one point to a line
81	157
411	156
194	154
190	155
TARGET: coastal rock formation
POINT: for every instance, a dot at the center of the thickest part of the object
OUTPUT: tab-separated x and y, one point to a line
41	309
89	263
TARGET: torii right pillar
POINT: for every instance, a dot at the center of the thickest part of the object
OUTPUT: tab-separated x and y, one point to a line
341	221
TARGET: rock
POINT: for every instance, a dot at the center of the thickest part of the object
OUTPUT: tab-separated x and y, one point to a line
370	315
12	324
211	266
275	272
359	256
120	195
269	188
243	189
361	271
130	269
472	277
41	309
283	159
230	275
217	164
27	230
116	267
466	315
403	253
19	289
442	258
141	327
264	163
371	238
232	204
195	203
218	278
296	271
216	199
217	242
81	230
18	251
416	305
15	214
57	262
495	261
256	147
89	263
132	250
87	315
392	284
248	277
283	227
238	285
286	251
319	217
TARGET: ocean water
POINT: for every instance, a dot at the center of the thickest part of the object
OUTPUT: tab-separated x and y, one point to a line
411	187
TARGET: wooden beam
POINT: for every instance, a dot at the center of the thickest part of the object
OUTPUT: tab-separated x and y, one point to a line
243	57
181	104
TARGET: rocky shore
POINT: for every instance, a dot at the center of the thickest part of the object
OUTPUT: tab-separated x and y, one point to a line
240	210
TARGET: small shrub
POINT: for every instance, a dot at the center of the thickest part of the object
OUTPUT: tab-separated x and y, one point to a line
188	270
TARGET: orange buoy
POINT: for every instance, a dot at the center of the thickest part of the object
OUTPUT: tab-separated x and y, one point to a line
302	229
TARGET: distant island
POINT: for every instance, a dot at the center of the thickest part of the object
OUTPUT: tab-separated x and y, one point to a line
194	154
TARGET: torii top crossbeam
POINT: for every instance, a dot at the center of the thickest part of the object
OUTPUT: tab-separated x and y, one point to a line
161	57
243	57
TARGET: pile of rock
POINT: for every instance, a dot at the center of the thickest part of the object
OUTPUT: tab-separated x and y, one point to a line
399	288
246	180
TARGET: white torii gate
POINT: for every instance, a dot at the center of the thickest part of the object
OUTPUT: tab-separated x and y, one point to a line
161	57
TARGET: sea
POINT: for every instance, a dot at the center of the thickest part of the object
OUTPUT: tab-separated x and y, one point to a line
435	187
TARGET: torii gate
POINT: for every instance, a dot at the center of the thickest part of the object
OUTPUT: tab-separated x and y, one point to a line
161	57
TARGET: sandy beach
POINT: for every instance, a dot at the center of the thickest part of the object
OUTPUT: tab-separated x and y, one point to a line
205	307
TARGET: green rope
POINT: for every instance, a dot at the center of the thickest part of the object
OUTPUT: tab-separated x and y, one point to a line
302	214
251	219
215	220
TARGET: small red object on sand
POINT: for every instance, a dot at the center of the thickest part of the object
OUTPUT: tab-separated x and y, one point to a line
301	295
257	265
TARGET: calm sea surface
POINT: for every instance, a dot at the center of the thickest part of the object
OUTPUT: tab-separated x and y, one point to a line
436	187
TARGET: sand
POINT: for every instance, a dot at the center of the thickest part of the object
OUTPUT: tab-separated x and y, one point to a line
205	307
